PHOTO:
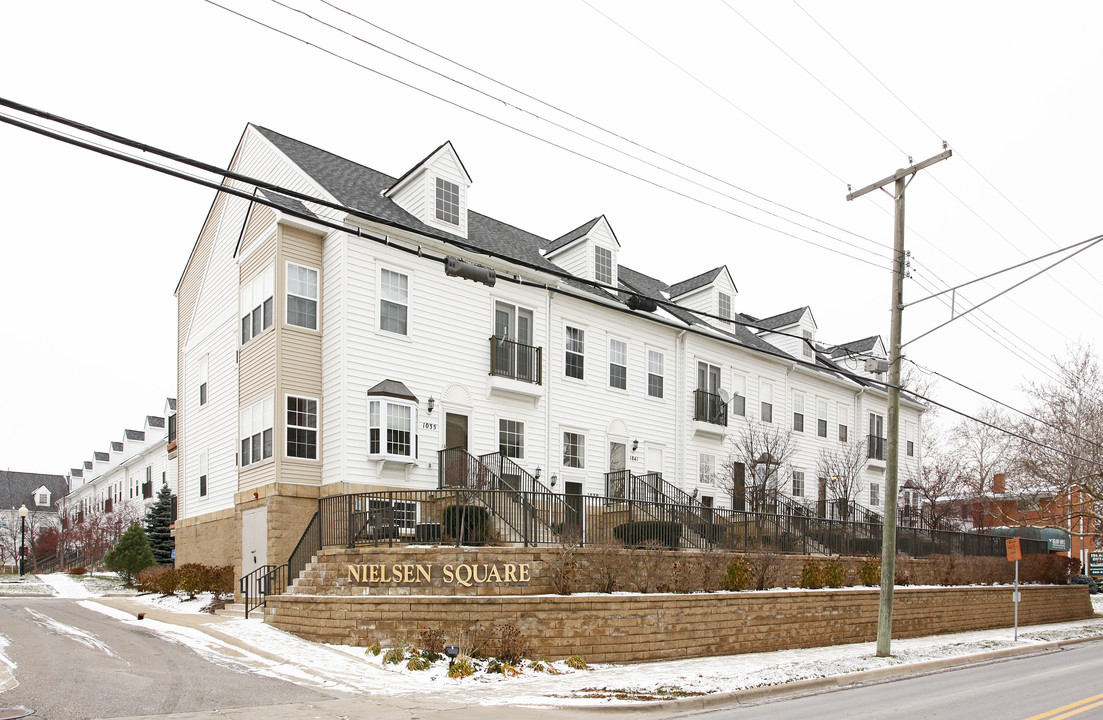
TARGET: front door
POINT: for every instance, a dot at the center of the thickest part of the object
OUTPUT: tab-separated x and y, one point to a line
513	353
573	497
458	470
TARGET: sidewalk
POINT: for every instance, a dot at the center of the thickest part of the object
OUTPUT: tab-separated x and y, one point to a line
360	688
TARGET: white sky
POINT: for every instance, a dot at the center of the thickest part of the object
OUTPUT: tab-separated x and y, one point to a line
92	249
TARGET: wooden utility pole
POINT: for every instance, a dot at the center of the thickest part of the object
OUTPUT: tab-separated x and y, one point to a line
892	445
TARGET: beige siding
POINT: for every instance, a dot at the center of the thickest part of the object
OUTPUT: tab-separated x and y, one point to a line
262	220
299	368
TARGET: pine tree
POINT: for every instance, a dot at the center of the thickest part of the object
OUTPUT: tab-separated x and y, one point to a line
130	555
158	527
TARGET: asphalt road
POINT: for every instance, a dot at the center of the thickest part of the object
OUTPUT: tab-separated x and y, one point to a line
1056	685
73	663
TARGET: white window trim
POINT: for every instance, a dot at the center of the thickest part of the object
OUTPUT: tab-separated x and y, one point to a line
266	281
563	449
265	407
735	392
585	331
612	265
287	293
609	363
522	423
409	274
385	401
436	180
662	359
317	429
204	388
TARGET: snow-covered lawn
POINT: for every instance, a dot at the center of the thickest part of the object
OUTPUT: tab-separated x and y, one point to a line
27	585
353	670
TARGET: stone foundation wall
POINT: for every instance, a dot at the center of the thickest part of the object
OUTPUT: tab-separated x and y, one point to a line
329	574
212	539
632	628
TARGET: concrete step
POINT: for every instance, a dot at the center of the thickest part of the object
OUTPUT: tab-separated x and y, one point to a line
233	610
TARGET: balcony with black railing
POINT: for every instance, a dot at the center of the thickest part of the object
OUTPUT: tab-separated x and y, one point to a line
709	410
516	368
876	448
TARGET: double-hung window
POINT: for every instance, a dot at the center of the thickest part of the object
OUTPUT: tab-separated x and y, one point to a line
766	400
724	303
394	302
302	296
202	381
603	265
302	427
257	304
821	418
391	429
874	494
576	352
448	202
807	350
618	364
256	432
655	373
203	474
798	412
574	450
511	438
798	483
706	468
844	421
738	404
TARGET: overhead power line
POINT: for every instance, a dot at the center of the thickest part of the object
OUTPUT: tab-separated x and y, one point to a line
538	138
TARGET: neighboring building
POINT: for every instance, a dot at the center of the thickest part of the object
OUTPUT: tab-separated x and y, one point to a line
323	352
127	477
1069	510
40	493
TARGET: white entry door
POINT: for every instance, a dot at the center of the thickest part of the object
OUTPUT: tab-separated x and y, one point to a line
254	539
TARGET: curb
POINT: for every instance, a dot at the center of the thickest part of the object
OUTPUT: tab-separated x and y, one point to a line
812	685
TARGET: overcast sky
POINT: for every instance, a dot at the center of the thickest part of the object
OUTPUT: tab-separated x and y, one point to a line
761	112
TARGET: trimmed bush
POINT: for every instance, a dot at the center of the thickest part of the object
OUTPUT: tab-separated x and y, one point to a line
643	532
870	571
473	521
835	574
738	576
812	575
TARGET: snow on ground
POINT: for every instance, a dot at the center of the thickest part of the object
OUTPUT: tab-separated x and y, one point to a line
352	669
65	586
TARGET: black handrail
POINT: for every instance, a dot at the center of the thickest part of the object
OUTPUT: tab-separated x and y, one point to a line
511	359
262	582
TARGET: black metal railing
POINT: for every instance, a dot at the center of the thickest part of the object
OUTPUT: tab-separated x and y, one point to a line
262	582
458	468
876	448
708	407
624	485
512	359
478	517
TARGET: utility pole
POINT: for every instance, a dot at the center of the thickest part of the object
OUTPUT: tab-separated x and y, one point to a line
892	445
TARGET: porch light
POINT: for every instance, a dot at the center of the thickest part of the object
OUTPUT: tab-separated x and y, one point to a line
432	403
554	479
536	474
635	444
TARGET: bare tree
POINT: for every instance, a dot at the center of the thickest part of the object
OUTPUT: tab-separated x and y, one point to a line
984	450
759	453
842	469
939	480
1063	467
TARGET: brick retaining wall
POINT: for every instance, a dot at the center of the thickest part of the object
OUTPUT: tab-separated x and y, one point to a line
631	628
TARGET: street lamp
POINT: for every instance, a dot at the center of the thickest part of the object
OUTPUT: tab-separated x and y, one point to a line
22	539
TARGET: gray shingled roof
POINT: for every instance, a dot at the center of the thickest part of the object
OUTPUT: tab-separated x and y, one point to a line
172	404
855	346
286	203
362	188
781	320
87	464
77	472
17	488
696	282
392	388
135	435
116	446
155	421
570	237
102	456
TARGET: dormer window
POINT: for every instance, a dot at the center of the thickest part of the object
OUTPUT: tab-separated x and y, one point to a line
603	265
725	303
42	498
448	201
808	350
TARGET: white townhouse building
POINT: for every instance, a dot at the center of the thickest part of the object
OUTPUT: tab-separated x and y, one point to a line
337	346
128	476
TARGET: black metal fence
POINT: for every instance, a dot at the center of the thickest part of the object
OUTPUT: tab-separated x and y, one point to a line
464	516
515	360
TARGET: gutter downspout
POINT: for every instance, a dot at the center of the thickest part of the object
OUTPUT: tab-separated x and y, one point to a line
552	470
679	413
